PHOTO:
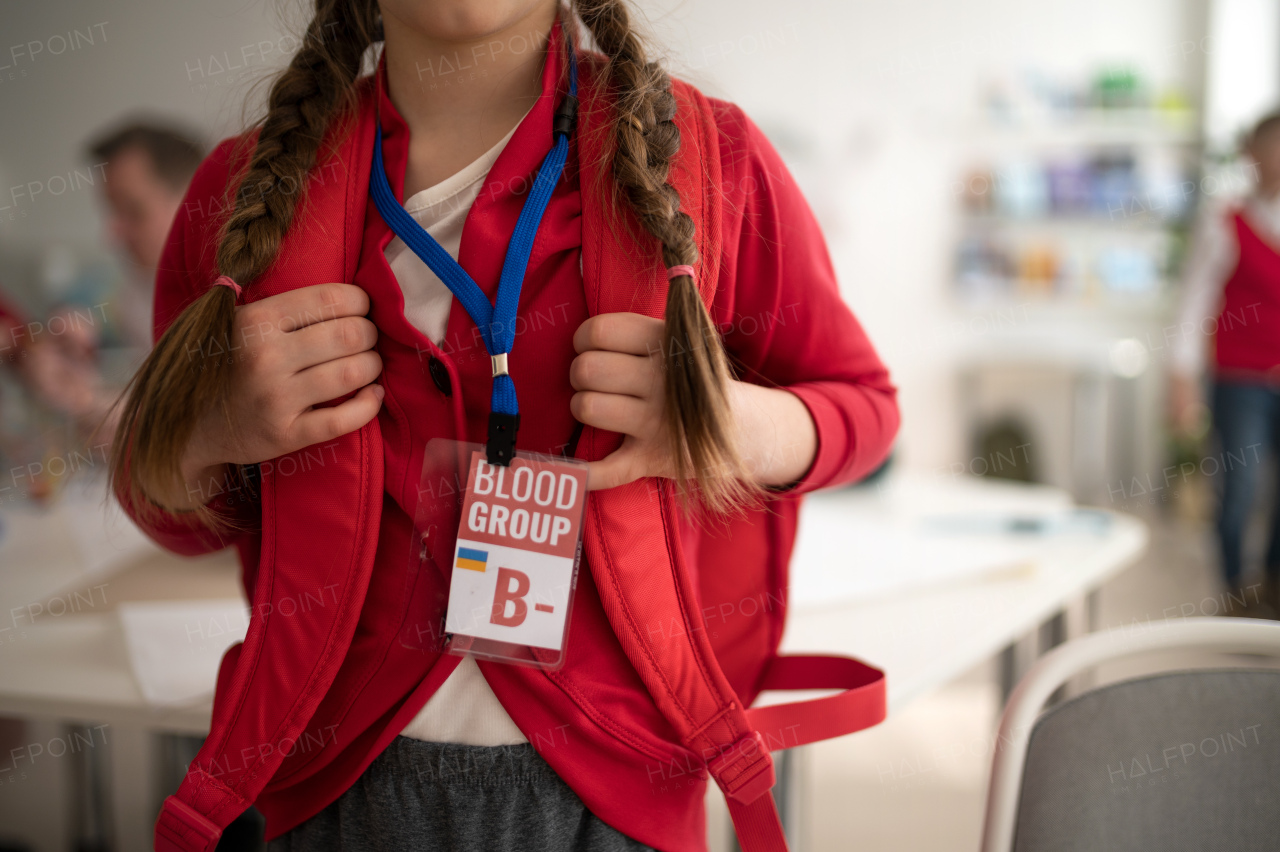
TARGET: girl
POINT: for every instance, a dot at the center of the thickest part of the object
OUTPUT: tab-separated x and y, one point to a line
305	349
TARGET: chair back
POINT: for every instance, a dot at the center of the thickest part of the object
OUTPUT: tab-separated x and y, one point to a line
1179	761
1141	718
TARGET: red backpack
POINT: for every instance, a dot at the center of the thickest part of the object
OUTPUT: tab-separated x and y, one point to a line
635	538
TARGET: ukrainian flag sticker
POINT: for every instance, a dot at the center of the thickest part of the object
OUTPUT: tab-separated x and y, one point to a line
472	560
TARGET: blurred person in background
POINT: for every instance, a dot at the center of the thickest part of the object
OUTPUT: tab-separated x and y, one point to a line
147	165
10	323
1231	301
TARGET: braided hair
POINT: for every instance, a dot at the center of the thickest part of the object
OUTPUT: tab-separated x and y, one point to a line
646	140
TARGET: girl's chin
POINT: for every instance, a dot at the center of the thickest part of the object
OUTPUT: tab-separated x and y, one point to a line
461	20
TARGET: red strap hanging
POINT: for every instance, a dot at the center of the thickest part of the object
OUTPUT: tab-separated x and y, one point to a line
861	704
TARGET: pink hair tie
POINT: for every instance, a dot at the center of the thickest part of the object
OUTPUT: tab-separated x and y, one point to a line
675	271
226	281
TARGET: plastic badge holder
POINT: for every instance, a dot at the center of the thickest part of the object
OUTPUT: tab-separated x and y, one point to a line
508	541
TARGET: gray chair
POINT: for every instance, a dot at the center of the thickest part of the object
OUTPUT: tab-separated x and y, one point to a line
1186	760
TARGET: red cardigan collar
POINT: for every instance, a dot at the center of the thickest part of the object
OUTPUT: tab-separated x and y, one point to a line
492	216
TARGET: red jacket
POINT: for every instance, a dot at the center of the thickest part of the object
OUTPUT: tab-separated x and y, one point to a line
778	304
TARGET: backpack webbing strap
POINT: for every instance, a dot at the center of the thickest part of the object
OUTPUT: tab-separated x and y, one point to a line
631	539
860	705
270	685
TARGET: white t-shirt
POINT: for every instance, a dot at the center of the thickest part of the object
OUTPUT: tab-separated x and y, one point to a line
464	708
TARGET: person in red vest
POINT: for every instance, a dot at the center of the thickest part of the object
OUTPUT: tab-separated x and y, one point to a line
1232	299
750	387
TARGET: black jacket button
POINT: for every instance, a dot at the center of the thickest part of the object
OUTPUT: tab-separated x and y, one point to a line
440	375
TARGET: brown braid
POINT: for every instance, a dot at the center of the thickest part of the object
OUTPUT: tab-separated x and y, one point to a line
646	140
178	383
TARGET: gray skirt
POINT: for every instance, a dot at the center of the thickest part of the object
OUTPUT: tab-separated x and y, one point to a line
447	796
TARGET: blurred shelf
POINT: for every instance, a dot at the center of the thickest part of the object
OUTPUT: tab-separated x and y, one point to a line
1064	331
1083	303
1033	307
1083	222
1092	128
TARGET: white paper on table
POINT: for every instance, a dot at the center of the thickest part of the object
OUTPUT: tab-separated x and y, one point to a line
70	545
175	646
900	537
839	559
106	536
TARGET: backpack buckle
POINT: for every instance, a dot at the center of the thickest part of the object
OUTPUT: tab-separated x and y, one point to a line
744	770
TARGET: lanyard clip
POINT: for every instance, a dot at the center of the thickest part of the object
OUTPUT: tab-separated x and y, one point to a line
501	448
566	116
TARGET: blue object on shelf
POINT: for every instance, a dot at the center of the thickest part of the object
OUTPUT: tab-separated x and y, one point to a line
1022	191
1070	187
1124	269
1115	187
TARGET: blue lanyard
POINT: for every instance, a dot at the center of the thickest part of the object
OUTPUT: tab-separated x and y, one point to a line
496	322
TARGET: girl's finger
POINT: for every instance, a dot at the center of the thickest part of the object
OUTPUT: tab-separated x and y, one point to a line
327	341
613	412
621	466
634	334
297	309
333	379
614	372
324	424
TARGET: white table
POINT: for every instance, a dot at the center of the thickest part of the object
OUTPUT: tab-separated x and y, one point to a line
937	623
935	628
62	571
62	653
940	627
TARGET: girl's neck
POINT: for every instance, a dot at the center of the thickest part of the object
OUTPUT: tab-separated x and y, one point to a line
460	97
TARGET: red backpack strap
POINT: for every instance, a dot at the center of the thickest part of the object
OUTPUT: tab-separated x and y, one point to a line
631	538
860	705
270	686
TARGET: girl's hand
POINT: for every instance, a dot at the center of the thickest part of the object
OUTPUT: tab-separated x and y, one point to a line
64	377
289	353
619	379
619	384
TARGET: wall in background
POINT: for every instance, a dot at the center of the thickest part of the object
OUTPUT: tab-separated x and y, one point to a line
1245	80
872	103
76	66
